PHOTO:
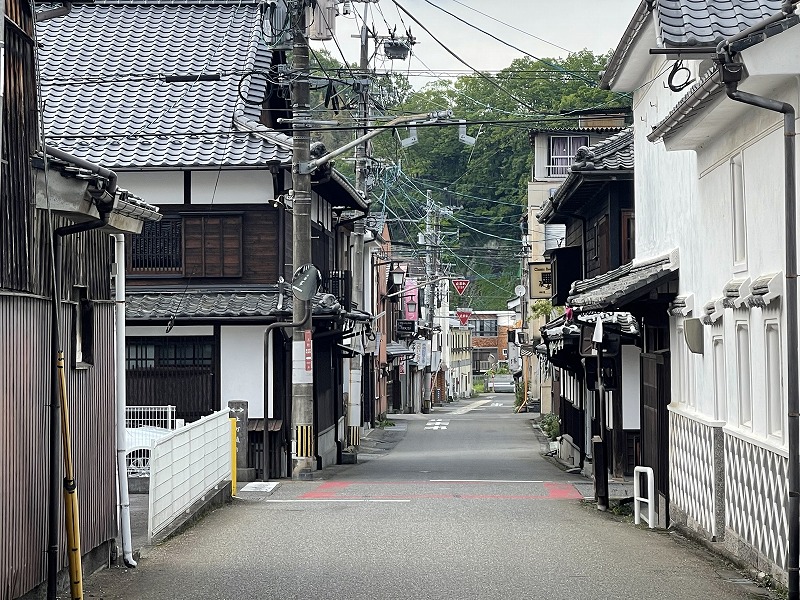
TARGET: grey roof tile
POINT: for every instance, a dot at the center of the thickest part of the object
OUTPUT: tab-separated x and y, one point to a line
614	288
706	22
106	100
211	303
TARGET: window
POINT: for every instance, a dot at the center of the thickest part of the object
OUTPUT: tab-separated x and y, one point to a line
720	383
562	153
83	330
774	389
743	374
169	352
601	244
628	235
192	245
484	327
738	212
158	248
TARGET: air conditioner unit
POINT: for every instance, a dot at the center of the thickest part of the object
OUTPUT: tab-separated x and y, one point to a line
321	20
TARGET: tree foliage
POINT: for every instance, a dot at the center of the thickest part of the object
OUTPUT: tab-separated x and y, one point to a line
482	187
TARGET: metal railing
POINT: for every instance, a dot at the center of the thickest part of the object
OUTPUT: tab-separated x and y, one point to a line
638	499
150	416
143	425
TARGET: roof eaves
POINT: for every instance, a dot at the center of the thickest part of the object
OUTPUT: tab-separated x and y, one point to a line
701	93
626	42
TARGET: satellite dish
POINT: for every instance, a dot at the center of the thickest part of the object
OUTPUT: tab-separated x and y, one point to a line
519	291
305	282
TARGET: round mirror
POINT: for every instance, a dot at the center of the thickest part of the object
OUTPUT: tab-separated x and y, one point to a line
305	282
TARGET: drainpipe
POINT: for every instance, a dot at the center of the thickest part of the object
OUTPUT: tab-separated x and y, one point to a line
122	441
731	76
110	175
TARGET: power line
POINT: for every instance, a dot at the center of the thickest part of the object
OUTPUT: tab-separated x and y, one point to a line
514	28
462	61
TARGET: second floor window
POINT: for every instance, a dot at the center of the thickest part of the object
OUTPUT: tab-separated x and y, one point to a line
484	327
189	245
562	153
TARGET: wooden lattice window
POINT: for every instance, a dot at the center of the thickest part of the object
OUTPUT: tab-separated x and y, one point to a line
158	249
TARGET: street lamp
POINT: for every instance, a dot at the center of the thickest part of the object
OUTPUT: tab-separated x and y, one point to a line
396	278
411	306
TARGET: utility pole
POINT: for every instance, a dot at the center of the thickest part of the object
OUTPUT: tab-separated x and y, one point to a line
302	379
359	230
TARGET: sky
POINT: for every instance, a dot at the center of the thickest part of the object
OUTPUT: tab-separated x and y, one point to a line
543	28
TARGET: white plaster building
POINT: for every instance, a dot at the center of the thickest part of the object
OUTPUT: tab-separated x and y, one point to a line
710	183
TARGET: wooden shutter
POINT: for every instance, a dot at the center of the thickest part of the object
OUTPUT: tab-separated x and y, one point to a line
212	245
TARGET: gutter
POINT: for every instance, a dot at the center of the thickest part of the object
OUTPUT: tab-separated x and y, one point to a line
731	73
110	175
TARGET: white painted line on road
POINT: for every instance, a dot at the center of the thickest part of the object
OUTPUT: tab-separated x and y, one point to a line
472	406
436	424
486	481
497	404
300	501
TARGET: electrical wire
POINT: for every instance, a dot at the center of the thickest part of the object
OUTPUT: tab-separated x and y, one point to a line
514	28
462	61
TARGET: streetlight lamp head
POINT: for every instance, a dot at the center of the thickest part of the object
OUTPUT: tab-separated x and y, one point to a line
396	277
411	306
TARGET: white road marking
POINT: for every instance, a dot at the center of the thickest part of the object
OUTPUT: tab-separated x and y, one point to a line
497	404
259	486
472	406
437	424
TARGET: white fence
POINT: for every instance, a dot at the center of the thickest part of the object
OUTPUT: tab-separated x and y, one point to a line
185	466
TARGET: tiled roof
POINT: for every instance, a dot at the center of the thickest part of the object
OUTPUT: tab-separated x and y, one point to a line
212	303
687	23
628	282
707	22
612	154
106	100
141	306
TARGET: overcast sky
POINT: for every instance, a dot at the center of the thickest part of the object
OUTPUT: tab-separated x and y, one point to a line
543	28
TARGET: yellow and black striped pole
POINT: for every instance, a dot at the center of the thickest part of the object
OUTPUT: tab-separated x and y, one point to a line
354	436
304	434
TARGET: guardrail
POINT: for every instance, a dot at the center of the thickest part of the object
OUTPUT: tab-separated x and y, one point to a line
638	499
185	465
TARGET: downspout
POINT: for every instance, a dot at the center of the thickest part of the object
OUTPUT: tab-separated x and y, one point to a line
731	76
122	441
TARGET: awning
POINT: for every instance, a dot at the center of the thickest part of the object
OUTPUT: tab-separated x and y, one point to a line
397	350
258	424
630	282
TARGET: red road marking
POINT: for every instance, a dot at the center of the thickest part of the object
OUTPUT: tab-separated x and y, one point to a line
332	490
562	491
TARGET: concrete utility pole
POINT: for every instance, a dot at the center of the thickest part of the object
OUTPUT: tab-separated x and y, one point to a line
302	379
359	230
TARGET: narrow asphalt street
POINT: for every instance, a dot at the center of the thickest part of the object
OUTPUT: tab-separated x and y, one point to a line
456	504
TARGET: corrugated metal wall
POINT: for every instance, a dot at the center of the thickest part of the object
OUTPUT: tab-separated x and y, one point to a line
25	370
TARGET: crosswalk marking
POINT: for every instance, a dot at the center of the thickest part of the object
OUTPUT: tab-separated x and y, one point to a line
472	406
436	424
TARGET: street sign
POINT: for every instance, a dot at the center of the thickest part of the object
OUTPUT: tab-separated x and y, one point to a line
308	350
460	285
406	327
541	279
463	315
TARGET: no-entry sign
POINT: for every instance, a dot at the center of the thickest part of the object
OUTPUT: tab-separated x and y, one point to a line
460	285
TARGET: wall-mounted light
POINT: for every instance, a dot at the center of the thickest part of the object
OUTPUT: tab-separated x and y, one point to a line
411	307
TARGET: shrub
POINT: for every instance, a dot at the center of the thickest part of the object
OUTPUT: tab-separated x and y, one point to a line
551	426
